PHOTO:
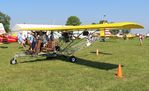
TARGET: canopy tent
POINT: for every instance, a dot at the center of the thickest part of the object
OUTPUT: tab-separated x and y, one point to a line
18	27
2	30
120	25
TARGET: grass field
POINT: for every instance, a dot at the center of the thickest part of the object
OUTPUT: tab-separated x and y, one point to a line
90	73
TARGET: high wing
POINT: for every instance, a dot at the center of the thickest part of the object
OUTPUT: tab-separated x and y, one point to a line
120	25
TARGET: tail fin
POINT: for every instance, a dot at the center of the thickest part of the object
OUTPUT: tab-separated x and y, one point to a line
2	30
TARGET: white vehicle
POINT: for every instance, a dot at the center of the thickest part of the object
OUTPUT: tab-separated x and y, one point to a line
147	35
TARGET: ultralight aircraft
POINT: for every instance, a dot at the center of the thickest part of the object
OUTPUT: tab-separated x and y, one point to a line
68	47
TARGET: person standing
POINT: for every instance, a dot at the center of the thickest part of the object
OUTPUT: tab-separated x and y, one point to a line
20	40
141	39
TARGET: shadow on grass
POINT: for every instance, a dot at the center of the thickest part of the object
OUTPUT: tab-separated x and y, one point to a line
104	53
6	43
4	47
80	61
38	60
95	64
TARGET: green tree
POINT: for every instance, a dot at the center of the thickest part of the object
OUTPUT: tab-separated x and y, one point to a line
125	31
5	19
114	31
73	20
103	21
94	23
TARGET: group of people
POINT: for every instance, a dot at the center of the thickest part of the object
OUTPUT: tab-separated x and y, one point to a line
35	40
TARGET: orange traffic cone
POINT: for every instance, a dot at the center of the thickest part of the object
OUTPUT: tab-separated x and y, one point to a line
119	71
97	52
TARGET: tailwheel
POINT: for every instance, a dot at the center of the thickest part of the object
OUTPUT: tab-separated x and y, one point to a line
13	61
73	59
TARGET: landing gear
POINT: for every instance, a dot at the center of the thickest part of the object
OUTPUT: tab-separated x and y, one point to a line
73	59
13	61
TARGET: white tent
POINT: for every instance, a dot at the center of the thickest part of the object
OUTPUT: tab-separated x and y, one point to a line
2	30
18	27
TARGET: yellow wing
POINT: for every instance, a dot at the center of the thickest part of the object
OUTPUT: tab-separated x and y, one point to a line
120	25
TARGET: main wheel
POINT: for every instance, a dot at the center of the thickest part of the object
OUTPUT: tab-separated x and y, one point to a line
13	61
73	59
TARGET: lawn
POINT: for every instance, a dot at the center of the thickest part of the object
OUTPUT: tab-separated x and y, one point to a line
89	73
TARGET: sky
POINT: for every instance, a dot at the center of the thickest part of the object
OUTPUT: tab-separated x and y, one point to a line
89	11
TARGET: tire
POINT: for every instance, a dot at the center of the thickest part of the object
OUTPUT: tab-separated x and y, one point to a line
13	61
73	59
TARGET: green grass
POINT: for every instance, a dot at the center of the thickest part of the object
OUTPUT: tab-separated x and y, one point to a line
90	73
